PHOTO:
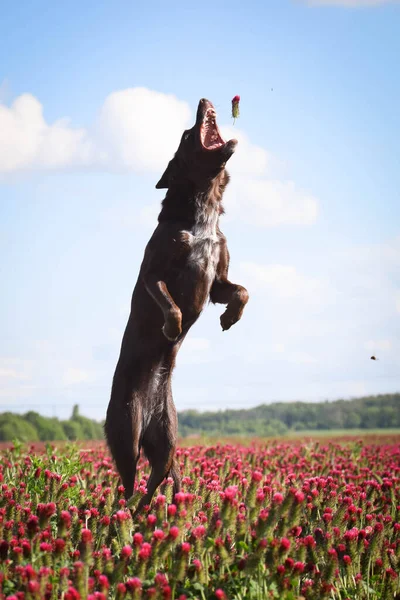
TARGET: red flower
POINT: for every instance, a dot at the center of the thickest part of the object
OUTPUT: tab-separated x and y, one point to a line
126	552
160	579
199	532
185	547
166	592
133	583
158	535
86	536
285	544
151	520
171	510
174	532
236	99
33	587
137	539
180	497
299	567
392	573
145	551
72	594
197	564
351	534
299	497
59	545
121	516
281	569
65	517
289	562
46	547
103	582
309	541
33	524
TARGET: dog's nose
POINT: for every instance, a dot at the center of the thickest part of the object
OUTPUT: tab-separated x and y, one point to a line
205	103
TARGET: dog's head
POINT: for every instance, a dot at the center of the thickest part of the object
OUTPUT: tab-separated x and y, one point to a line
202	152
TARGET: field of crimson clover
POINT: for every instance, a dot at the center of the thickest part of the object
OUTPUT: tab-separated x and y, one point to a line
280	520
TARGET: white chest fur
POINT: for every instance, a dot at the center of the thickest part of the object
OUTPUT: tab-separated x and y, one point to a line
204	244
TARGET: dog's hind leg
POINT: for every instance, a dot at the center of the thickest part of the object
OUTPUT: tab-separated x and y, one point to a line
158	443
122	429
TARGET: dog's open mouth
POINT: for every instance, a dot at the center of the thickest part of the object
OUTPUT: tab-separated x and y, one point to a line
210	136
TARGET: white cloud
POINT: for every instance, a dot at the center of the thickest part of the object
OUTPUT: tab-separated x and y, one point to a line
126	136
73	376
14	392
249	159
279	348
375	275
141	128
280	351
14	373
15	368
269	203
194	350
349	3
10	374
28	142
356	389
138	130
258	199
382	345
284	281
302	358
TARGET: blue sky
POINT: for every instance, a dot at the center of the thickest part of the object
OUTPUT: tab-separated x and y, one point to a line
93	99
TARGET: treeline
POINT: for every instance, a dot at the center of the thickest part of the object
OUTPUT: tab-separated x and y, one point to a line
372	412
32	427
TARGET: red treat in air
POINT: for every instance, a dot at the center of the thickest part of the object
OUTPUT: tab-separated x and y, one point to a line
236	99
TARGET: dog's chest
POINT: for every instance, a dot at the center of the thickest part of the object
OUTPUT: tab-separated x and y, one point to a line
203	245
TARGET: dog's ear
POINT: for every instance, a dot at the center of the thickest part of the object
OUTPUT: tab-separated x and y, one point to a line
168	175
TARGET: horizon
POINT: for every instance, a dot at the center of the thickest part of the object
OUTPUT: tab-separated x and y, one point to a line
263	404
93	101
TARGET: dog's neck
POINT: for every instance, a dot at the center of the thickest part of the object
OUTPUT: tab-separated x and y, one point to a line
195	206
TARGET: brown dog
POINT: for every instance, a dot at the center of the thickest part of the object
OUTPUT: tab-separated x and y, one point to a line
185	263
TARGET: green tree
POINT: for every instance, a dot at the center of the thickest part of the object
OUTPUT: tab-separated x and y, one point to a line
48	429
73	430
14	426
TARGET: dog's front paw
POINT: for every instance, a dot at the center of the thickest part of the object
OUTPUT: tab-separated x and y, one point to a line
228	319
173	325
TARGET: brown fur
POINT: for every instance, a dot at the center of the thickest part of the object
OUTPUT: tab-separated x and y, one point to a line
185	264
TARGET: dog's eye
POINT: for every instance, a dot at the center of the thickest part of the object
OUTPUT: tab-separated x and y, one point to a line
186	136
